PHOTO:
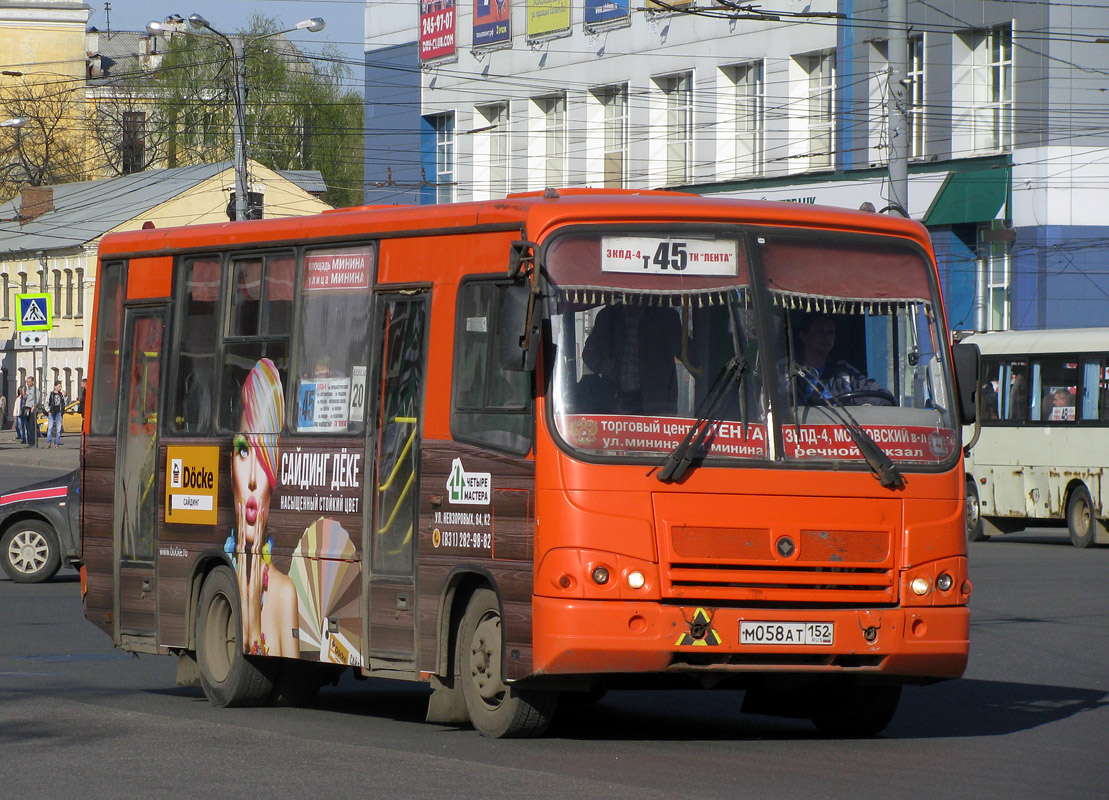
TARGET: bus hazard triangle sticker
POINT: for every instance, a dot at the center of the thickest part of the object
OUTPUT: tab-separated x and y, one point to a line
700	633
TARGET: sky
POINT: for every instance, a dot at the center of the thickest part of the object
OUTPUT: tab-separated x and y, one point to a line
344	18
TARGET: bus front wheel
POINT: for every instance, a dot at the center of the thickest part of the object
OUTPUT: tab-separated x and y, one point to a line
496	709
227	676
1081	522
851	709
975	532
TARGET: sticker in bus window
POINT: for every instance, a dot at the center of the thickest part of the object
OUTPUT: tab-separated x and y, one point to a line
324	405
672	256
331	271
358	394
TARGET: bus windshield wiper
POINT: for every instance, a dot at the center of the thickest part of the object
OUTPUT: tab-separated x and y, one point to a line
680	458
880	463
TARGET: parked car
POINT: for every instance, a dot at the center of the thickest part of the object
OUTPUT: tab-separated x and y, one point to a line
72	419
38	529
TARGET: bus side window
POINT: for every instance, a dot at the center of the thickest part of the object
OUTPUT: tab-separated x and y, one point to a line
1015	391
1091	390
490	406
989	395
196	345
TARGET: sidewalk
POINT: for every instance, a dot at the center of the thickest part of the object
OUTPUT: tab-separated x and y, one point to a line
63	458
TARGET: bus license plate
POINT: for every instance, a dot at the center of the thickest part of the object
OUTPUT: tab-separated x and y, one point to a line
819	633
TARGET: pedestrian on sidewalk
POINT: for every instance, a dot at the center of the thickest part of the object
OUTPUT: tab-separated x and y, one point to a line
17	415
31	403
3	409
55	408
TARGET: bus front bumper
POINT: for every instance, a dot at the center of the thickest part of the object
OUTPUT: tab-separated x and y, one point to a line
592	637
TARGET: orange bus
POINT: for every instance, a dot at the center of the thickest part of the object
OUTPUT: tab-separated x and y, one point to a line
532	448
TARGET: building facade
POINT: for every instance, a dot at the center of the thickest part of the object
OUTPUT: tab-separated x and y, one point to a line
1008	131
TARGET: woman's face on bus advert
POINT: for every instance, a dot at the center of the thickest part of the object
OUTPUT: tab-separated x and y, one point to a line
251	487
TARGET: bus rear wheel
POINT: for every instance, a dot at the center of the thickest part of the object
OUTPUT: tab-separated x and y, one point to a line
496	709
851	709
227	676
1082	525
975	533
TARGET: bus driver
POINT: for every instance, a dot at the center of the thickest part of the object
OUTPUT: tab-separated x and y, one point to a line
828	378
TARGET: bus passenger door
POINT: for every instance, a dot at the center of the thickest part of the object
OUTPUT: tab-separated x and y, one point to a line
136	491
401	322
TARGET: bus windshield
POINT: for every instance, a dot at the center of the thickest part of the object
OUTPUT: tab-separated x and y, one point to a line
646	325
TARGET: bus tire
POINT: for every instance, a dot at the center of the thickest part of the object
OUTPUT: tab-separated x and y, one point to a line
496	709
850	709
975	531
29	552
227	676
1081	523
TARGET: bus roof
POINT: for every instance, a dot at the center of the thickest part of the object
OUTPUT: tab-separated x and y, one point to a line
1063	340
534	213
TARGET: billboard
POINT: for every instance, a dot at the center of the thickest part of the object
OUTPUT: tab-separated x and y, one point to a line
548	16
598	12
491	22
436	29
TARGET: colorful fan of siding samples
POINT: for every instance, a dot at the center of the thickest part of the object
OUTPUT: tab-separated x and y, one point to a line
327	579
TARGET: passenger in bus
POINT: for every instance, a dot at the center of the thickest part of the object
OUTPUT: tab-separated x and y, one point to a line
632	348
1062	404
270	613
830	379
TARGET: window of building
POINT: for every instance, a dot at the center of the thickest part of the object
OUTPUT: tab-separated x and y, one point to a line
330	393
747	82
133	147
494	119
7	297
993	89
997	284
820	71
553	110
258	323
982	90
491	406
442	126
678	92
80	293
69	293
614	102
915	75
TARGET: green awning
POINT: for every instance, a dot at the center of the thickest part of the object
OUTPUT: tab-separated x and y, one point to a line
973	196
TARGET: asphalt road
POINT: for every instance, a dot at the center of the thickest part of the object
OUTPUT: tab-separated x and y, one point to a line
1029	720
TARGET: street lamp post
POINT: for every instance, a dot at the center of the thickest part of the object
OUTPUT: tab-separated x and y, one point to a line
237	47
17	123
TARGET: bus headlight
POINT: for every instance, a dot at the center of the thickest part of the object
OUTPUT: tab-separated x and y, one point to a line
636	579
920	586
944	582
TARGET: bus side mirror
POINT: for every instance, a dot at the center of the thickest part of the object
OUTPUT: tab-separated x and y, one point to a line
967	358
518	329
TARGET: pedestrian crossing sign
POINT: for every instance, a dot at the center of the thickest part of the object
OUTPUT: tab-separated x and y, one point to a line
36	312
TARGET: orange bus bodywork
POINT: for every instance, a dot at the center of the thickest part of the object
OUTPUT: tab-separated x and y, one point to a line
704	545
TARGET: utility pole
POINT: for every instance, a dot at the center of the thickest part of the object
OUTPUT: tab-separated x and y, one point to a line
238	66
237	47
898	109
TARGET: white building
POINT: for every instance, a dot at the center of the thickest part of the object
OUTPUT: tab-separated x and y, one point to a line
1008	136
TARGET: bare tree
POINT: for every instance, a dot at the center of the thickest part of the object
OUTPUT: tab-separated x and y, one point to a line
47	147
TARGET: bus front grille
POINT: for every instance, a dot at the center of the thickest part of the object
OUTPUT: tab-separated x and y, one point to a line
755	565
